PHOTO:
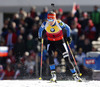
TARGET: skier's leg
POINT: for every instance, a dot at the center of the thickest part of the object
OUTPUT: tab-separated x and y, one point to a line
64	51
50	49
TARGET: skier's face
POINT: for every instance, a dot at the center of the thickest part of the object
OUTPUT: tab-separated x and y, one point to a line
51	18
52	22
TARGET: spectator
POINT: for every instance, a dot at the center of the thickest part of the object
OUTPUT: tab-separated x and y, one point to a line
5	27
84	20
23	33
57	12
11	38
80	42
16	19
70	18
74	32
77	13
60	14
31	43
2	59
33	54
19	71
25	56
9	73
28	22
30	65
87	46
8	62
22	14
36	20
2	73
2	41
33	13
19	48
7	21
79	57
22	23
13	26
94	49
34	31
95	16
78	26
43	15
4	31
11	57
90	31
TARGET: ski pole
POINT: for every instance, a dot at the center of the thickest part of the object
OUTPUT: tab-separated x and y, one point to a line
41	59
80	74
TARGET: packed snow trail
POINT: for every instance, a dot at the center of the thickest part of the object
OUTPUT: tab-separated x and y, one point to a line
38	83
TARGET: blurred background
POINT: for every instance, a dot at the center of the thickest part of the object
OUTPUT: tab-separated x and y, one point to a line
20	49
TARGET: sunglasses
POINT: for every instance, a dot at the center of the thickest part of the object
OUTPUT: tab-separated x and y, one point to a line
50	20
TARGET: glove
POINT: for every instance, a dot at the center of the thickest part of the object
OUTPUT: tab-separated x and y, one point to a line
69	39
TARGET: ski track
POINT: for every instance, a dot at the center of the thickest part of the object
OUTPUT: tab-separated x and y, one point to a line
40	83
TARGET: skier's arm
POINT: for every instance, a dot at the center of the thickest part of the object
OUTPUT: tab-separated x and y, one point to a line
65	26
68	29
42	27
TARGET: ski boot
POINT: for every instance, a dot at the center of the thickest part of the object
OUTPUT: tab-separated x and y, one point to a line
53	74
77	78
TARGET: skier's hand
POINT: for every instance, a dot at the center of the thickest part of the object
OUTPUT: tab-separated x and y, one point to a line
69	39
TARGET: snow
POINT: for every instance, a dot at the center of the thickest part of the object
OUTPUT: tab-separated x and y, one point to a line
41	83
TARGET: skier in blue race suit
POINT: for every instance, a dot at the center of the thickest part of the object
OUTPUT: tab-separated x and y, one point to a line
55	36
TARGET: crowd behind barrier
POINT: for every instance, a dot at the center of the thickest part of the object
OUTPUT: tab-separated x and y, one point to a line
20	34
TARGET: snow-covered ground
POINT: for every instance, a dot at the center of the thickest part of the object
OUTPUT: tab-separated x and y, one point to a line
38	83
